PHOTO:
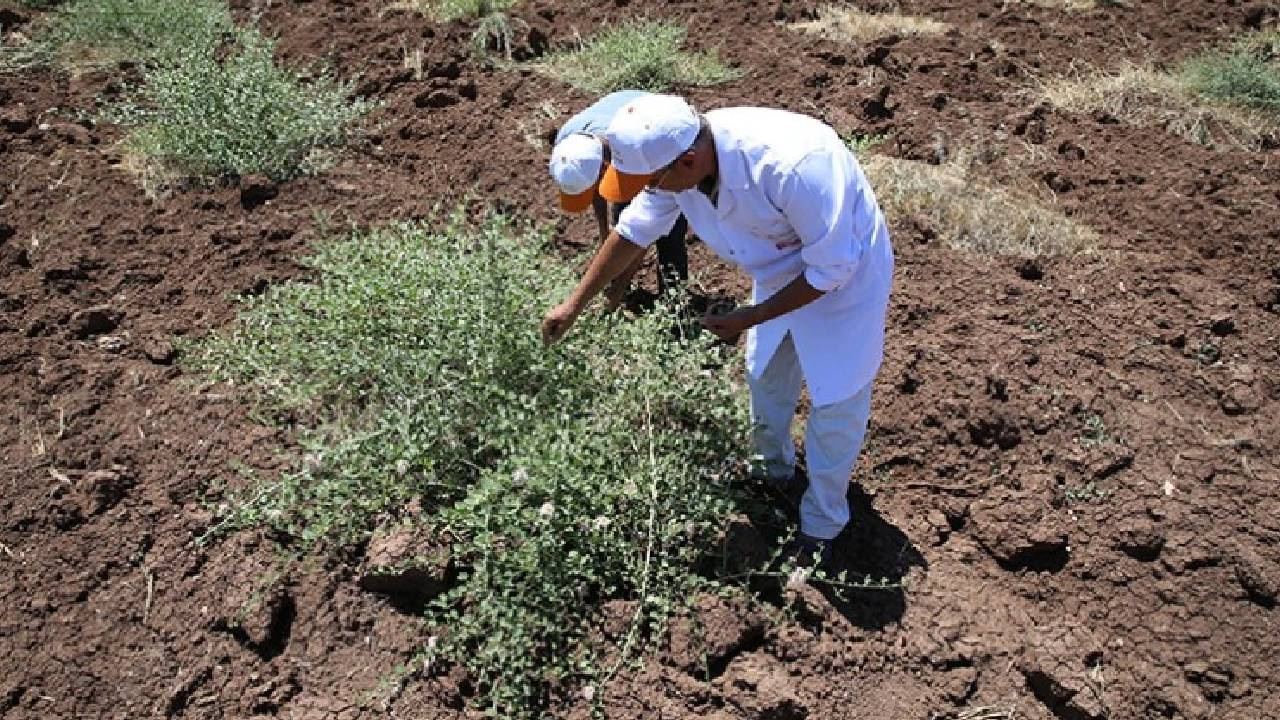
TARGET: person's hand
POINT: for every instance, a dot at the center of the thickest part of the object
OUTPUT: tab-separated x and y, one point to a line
557	322
729	326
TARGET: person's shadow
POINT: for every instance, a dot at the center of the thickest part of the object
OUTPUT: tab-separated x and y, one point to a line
873	556
871	548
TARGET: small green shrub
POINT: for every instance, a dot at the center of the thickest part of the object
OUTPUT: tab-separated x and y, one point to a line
494	28
213	112
638	54
446	10
95	32
1247	74
600	468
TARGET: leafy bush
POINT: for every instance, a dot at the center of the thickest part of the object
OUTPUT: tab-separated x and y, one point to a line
637	54
1248	74
600	468
91	32
203	114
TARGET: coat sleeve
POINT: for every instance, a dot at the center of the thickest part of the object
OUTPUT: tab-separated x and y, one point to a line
822	197
648	217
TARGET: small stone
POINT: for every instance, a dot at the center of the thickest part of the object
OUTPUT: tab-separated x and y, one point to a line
436	99
112	343
1140	539
1059	183
406	564
1258	577
159	351
1071	151
16	120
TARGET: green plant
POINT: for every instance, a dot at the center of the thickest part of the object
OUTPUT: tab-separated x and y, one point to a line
863	144
638	54
232	111
446	10
496	31
494	28
1088	492
1247	74
1218	98
557	478
94	32
1095	430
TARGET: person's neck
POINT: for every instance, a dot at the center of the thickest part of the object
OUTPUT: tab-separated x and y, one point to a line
708	184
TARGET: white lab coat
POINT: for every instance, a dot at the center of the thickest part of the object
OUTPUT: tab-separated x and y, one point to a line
791	199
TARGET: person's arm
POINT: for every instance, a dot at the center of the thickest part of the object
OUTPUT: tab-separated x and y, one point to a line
815	199
796	294
613	257
617	289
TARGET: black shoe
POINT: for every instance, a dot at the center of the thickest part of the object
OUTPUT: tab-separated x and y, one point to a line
788	490
805	552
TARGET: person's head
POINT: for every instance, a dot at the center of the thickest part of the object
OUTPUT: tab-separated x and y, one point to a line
577	162
660	142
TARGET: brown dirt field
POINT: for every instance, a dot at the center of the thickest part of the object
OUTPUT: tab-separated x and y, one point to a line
1073	461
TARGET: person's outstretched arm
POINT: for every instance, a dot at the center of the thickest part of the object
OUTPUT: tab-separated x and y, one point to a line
614	256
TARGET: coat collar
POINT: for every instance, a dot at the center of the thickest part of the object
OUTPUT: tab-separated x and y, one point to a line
732	167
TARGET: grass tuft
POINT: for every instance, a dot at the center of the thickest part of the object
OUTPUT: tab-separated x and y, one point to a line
560	478
1247	74
969	214
87	33
1219	99
494	28
851	25
447	10
232	111
643	55
1077	5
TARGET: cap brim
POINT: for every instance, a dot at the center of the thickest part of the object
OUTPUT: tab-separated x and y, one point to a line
576	203
621	187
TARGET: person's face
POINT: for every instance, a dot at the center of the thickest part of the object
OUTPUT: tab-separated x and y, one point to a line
679	176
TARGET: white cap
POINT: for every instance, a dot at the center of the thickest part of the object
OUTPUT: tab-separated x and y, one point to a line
650	132
575	163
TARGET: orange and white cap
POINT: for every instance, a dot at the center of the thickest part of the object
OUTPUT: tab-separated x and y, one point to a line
575	167
646	135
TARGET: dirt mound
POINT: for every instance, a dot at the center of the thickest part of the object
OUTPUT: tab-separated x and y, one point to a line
1071	462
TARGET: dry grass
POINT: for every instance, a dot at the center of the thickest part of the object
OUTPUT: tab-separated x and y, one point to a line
1143	96
972	215
445	10
1076	5
539	128
845	24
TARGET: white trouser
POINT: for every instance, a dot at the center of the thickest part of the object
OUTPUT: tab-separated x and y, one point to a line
832	440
